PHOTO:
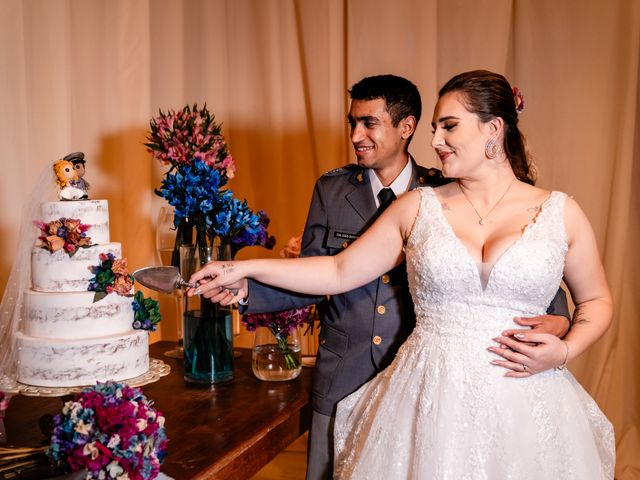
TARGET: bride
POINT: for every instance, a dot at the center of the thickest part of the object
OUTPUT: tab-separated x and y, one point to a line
480	250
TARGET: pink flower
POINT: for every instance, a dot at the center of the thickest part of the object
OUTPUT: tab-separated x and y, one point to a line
293	247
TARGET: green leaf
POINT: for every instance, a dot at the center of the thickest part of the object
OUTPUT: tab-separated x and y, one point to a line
99	296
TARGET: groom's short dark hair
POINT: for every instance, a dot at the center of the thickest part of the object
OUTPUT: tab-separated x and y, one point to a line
400	95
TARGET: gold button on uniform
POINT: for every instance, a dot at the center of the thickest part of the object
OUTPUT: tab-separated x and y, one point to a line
377	340
345	244
381	309
322	341
385	278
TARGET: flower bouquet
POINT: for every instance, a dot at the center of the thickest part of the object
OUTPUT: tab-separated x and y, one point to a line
112	431
200	166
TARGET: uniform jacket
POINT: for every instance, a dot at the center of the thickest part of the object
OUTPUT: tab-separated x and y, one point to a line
361	329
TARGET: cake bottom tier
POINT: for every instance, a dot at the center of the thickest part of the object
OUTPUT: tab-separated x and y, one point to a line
71	363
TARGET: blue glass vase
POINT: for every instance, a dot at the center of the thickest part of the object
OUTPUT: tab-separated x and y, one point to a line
208	333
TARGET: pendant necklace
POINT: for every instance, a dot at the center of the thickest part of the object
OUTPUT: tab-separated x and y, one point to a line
481	219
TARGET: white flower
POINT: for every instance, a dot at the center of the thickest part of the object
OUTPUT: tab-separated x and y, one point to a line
83	428
160	421
114	441
91	450
114	469
141	423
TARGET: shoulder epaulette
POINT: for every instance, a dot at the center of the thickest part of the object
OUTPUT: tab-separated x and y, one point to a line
341	170
429	175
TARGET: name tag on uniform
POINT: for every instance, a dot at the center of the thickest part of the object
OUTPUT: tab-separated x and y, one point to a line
345	235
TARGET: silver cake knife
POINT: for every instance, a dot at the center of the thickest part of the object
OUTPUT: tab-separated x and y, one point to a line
163	279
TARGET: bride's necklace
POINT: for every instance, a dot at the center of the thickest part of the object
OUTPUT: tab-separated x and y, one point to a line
481	218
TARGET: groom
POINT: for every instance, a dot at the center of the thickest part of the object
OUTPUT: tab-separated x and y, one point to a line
362	329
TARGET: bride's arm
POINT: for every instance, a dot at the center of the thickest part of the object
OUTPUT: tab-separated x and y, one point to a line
585	277
377	251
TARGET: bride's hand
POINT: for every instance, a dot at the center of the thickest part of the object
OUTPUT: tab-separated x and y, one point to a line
529	353
221	282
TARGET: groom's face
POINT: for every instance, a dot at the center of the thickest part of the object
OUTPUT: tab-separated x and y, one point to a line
376	141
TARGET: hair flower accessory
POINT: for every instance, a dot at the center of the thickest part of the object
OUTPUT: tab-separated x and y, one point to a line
111	430
519	99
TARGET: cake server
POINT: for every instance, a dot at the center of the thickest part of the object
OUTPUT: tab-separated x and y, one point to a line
163	279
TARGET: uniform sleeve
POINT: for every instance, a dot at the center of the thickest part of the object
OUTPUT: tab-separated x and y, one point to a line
263	298
559	305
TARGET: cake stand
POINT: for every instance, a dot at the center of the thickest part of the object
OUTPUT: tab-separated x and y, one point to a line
157	369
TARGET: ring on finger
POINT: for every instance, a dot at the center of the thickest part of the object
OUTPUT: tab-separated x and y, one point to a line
524	367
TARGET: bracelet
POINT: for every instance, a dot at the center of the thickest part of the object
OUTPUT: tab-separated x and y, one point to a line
566	357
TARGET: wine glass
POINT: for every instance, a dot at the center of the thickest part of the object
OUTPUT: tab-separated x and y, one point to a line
165	245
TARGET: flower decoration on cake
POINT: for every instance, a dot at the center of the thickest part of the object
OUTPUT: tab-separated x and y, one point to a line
146	313
66	234
192	143
111	430
111	276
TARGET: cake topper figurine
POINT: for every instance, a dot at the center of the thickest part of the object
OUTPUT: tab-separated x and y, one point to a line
77	158
68	179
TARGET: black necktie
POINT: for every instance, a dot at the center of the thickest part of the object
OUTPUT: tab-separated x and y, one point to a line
385	196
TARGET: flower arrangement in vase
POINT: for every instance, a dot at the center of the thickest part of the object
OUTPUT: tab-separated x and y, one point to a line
276	353
200	166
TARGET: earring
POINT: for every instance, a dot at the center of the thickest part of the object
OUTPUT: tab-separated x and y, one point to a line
491	149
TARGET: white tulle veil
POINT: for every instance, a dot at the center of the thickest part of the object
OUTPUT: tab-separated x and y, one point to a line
11	308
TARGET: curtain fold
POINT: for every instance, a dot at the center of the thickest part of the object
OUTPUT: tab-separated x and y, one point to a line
88	75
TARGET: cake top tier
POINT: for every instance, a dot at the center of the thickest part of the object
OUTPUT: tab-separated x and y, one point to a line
94	213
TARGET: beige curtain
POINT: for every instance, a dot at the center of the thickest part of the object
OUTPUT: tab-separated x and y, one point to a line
88	74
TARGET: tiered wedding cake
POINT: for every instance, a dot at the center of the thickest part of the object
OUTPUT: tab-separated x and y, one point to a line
66	339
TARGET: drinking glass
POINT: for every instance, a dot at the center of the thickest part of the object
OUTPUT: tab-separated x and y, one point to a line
165	244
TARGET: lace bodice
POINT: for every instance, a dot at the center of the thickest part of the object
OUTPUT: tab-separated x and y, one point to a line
444	278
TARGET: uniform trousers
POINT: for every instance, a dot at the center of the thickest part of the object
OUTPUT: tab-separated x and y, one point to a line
320	447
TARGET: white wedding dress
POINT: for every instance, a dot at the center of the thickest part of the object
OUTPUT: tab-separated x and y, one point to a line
441	410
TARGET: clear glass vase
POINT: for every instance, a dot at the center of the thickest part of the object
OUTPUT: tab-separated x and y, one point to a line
276	357
208	331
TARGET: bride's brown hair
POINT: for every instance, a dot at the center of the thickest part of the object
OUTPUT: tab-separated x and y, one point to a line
489	95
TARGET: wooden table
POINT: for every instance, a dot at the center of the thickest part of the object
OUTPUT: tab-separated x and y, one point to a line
227	431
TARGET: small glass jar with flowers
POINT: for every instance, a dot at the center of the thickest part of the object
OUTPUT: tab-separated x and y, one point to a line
276	354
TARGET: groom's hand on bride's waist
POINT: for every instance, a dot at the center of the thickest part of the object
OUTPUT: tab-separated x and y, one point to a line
553	324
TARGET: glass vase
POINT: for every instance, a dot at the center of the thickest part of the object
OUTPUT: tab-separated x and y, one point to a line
208	331
276	356
169	240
